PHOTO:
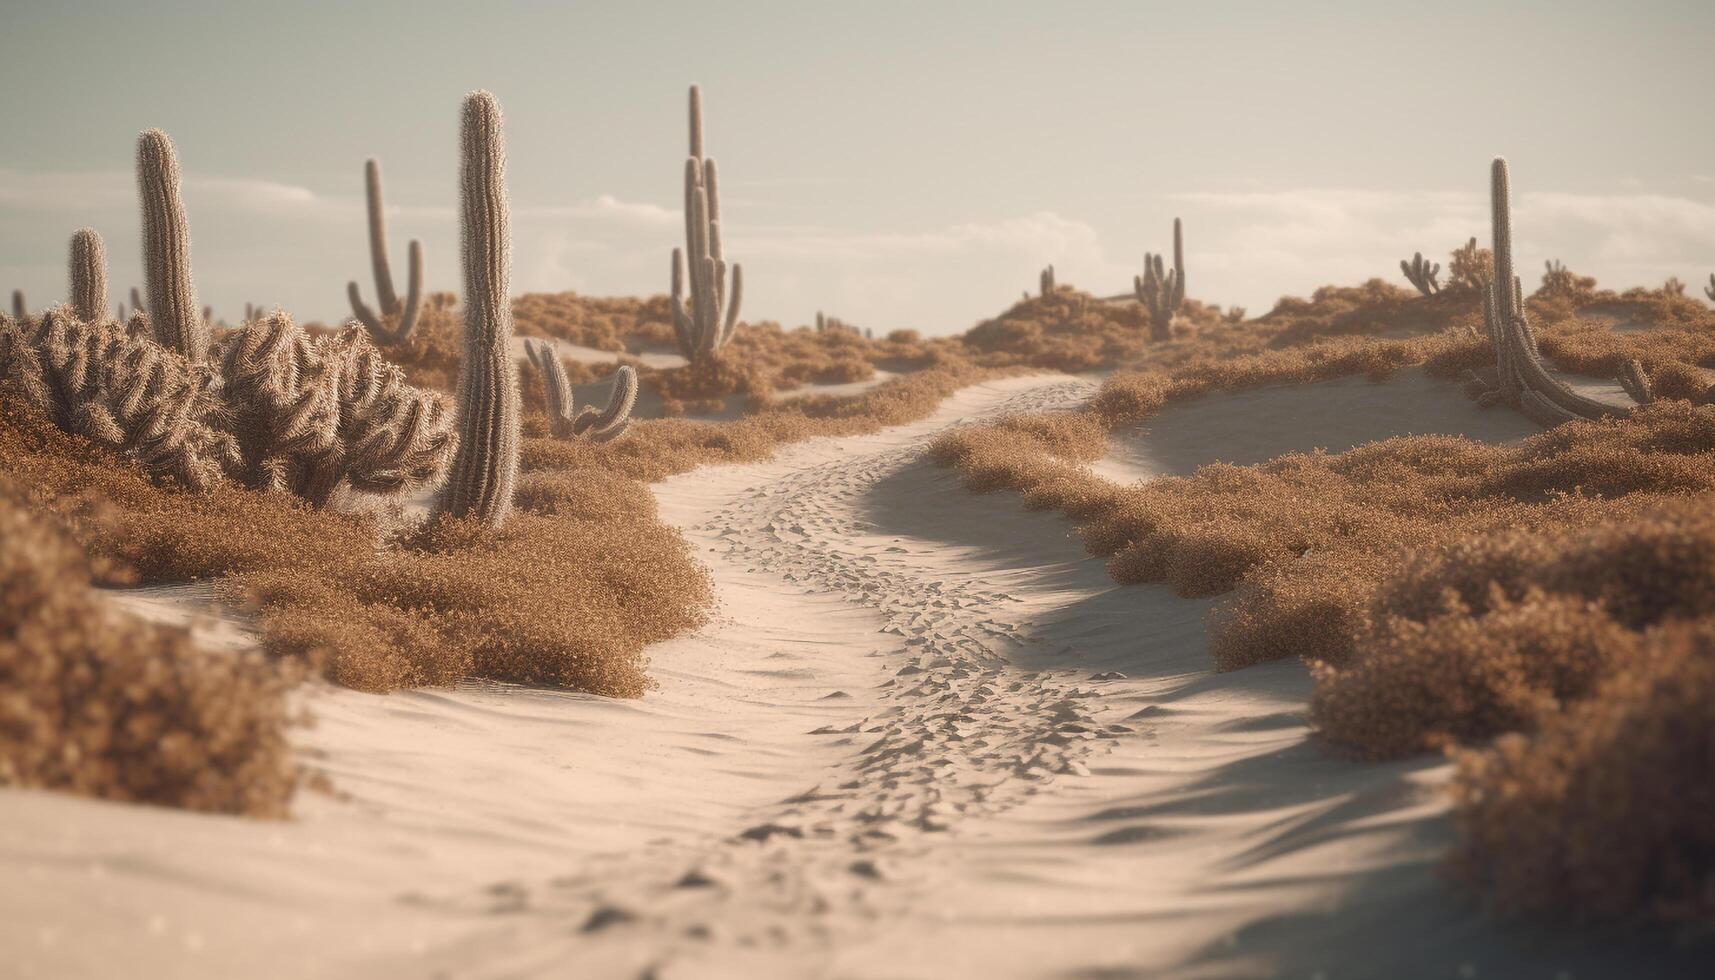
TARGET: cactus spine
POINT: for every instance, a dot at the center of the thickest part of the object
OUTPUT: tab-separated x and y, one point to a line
706	323
88	275
1423	275
1522	380
485	466
1160	290
384	293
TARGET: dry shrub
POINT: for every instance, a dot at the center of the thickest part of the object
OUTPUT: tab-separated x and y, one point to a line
568	594
612	323
1602	816
102	704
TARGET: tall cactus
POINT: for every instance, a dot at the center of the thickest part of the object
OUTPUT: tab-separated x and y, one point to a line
173	309
20	307
1046	281
88	268
390	307
1521	379
564	421
1162	291
704	324
485	468
1424	275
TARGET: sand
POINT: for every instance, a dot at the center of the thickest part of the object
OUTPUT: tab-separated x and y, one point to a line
925	736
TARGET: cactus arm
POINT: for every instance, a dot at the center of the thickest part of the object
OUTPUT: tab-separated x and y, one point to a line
413	292
363	313
485	465
384	294
173	308
602	424
733	303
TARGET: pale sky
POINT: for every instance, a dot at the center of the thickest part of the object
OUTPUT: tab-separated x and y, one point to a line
899	164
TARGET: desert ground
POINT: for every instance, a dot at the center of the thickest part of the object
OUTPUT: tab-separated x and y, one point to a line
1118	635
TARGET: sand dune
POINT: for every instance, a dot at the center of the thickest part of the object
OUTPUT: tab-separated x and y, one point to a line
925	736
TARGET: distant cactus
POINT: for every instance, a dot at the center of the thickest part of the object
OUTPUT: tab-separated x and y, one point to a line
1423	275
404	314
137	305
315	415
1709	290
1673	287
1521	379
173	308
120	389
88	275
21	309
1046	281
1162	291
598	424
704	324
1235	314
1469	268
485	468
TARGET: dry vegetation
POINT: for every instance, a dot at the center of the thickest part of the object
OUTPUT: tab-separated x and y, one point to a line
106	705
1447	591
568	594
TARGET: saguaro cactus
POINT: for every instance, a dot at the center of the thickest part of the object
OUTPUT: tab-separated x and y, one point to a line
88	275
173	308
1521	379
707	322
485	468
1423	275
21	309
405	313
1162	291
1046	281
599	424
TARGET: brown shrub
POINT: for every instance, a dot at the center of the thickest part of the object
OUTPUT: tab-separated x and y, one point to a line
1602	816
102	704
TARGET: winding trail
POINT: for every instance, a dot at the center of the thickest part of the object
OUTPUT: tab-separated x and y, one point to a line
924	735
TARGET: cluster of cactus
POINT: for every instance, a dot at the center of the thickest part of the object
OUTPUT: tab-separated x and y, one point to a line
1161	290
1424	275
313	416
273	407
1557	280
1674	286
485	467
707	321
1046	280
392	325
564	420
120	389
1520	379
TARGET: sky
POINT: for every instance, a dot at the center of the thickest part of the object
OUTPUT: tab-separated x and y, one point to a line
897	164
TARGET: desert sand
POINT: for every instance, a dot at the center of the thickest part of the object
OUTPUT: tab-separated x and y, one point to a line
924	736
